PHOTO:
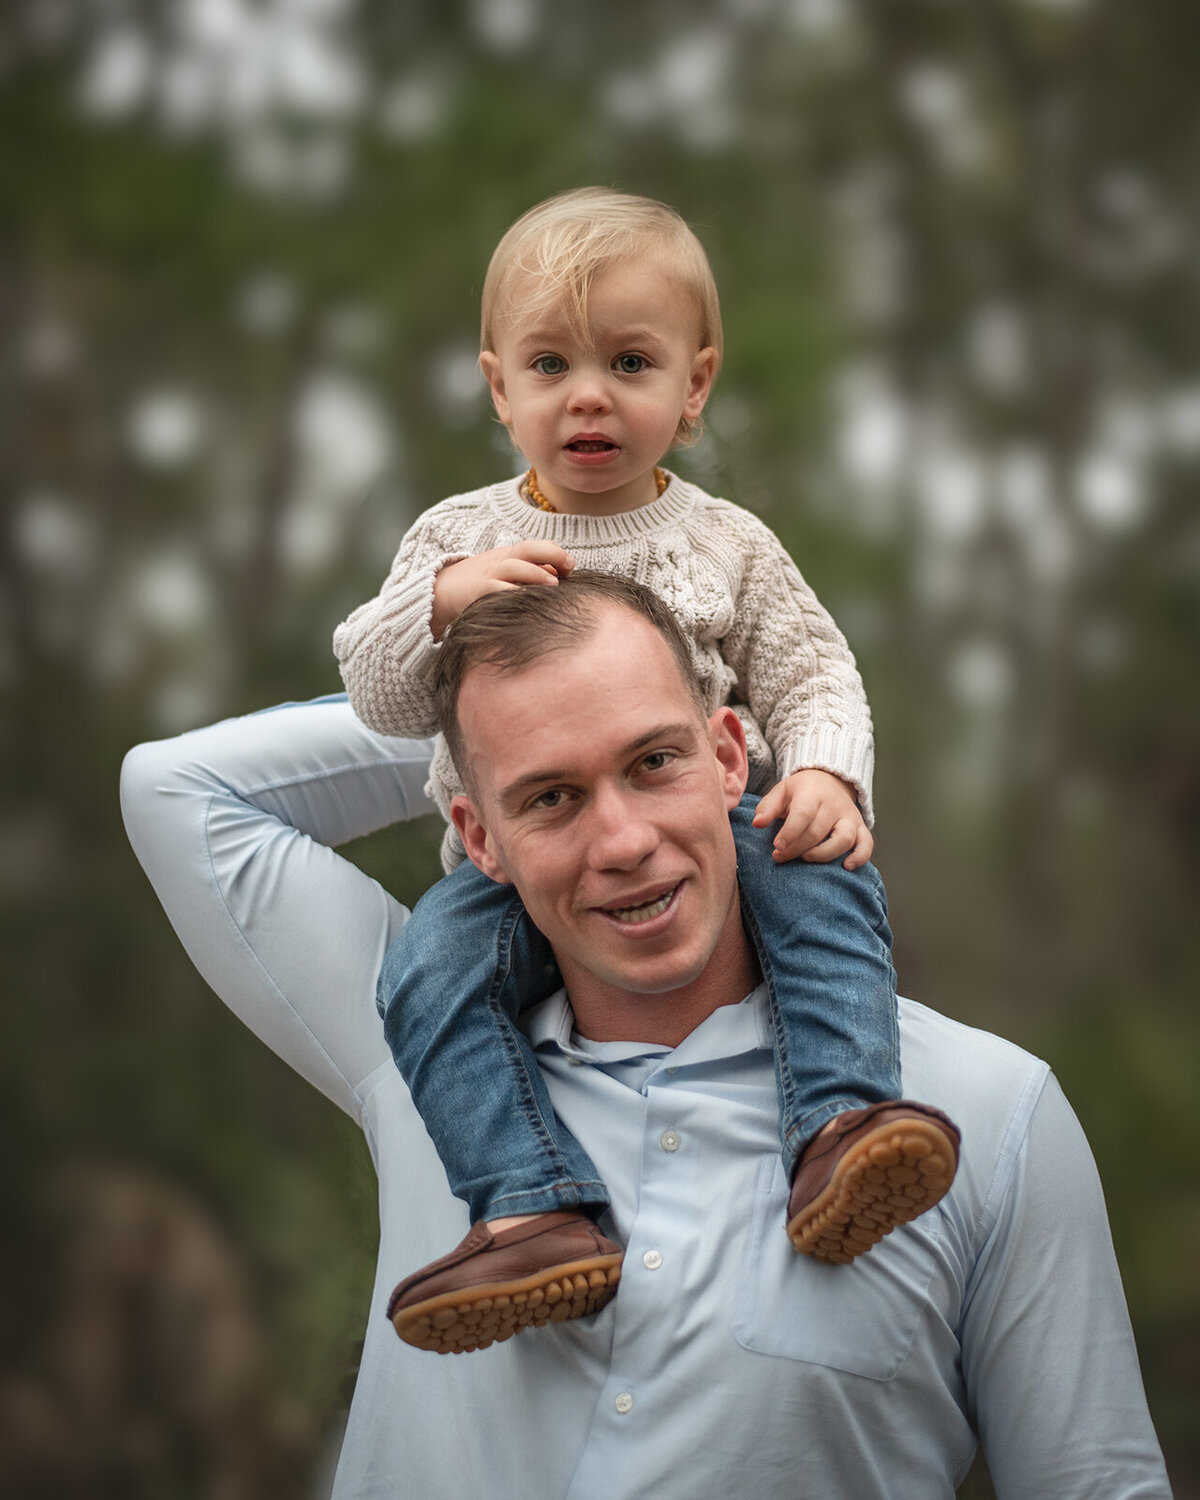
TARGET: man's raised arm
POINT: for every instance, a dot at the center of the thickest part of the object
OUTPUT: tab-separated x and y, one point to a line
235	827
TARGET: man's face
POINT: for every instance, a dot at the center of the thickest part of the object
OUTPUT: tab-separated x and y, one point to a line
602	794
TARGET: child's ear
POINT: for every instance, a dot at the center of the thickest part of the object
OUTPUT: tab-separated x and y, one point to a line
704	372
493	373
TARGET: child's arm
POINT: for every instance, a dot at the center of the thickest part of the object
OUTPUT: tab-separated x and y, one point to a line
798	677
384	648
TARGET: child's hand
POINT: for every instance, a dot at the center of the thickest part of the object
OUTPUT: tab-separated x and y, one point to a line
821	820
461	583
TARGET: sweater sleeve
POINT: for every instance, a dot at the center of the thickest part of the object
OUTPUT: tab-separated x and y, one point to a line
386	647
795	671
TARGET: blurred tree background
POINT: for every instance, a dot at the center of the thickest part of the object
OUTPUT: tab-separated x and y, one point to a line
241	248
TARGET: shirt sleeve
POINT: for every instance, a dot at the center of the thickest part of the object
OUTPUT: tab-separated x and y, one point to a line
1049	1361
386	647
796	673
235	827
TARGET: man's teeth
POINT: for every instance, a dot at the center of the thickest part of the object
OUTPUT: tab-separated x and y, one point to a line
632	915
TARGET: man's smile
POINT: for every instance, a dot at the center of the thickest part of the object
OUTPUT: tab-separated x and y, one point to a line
643	911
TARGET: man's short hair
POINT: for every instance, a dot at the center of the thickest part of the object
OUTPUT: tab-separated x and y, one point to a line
509	630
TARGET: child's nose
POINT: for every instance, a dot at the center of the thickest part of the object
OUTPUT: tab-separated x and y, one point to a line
588	393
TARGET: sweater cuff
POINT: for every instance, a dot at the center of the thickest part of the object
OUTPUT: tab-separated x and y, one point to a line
845	753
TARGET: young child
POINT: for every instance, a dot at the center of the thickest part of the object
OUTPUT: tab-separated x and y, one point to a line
601	342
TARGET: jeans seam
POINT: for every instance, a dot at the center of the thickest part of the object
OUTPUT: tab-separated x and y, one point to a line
534	1118
783	1081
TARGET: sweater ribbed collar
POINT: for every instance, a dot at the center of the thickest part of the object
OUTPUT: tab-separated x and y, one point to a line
628	526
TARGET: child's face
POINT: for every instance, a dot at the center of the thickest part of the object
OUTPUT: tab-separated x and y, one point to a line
594	421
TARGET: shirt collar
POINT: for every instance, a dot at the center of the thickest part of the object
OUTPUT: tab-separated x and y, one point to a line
729	1031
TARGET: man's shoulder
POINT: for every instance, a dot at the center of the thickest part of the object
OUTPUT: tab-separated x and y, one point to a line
921	1025
989	1086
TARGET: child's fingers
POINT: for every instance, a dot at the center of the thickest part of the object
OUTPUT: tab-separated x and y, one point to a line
801	832
544	554
516	573
864	846
774	805
841	839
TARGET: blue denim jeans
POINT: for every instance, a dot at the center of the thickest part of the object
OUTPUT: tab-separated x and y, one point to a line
469	961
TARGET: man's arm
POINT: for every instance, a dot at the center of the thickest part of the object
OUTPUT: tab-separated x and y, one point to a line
1048	1354
234	826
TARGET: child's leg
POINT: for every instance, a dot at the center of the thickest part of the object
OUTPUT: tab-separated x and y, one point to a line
825	949
451	986
824	946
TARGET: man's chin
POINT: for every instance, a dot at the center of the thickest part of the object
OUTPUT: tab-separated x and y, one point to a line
661	976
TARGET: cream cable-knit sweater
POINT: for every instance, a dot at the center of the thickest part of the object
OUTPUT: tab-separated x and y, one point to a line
761	640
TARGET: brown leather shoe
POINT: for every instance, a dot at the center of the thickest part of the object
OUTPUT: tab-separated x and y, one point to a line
492	1286
873	1169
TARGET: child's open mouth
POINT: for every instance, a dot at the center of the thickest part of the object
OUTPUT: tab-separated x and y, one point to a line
591	445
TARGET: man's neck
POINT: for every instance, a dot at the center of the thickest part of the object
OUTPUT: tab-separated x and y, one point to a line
606	1014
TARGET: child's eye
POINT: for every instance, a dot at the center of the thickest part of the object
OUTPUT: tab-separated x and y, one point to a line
550	364
631	364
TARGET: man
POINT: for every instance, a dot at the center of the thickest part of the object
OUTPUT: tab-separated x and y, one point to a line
726	1364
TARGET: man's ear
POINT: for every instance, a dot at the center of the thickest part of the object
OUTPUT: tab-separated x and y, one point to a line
728	741
476	839
493	373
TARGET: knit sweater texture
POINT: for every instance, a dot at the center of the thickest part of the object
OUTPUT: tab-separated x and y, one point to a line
761	641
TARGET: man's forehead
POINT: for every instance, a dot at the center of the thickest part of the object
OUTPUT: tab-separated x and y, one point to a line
600	622
609	658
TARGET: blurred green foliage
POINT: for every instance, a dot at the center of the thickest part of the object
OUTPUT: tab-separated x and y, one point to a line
240	255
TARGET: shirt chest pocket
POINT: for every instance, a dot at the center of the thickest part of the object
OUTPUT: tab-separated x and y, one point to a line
861	1318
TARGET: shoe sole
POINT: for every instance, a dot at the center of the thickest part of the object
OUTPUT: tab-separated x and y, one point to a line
462	1321
892	1175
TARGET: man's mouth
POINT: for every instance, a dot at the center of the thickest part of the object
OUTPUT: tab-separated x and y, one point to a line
633	916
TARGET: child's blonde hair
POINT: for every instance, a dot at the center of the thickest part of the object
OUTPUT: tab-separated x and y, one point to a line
563	244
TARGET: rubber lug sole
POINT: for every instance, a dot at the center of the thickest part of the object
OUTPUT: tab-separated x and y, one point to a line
889	1177
459	1322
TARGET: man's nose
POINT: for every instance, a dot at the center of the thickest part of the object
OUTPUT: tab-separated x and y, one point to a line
620	835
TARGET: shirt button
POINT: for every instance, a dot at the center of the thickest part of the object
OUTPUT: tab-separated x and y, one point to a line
652	1260
669	1141
624	1402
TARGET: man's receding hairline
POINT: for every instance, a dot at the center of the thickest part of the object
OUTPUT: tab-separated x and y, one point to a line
590	617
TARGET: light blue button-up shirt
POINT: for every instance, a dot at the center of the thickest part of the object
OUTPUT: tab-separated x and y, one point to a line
726	1365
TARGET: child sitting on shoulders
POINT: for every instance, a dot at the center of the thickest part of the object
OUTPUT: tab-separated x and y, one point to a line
601	342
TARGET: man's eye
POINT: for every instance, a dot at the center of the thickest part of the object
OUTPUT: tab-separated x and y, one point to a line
657	760
631	364
550	364
547	800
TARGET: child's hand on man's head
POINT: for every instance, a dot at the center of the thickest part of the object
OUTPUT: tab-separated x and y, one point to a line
821	820
461	583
